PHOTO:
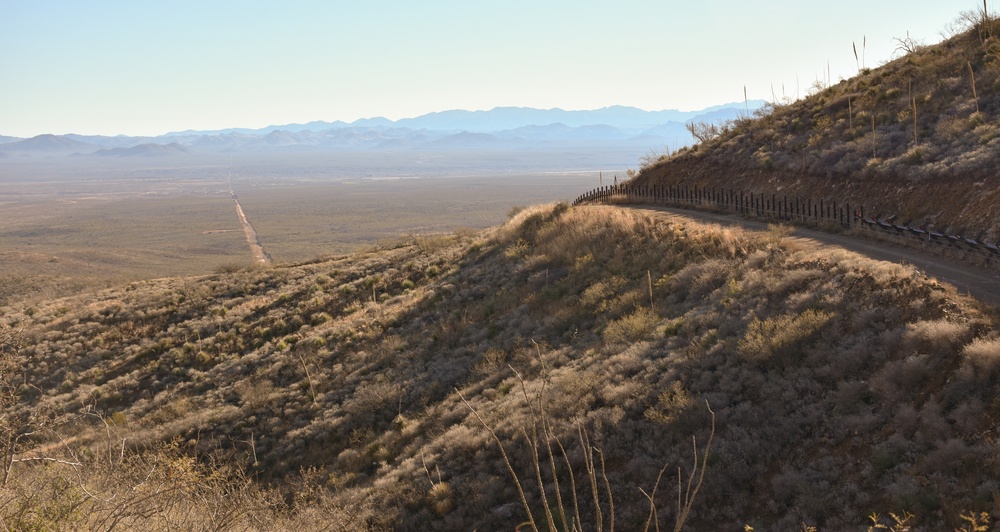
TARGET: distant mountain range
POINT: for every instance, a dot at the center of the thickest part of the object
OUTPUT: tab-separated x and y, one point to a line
502	128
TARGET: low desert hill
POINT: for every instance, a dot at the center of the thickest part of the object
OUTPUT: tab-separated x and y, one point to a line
435	383
918	137
144	150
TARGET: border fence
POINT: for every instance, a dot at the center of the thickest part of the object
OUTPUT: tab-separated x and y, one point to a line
783	208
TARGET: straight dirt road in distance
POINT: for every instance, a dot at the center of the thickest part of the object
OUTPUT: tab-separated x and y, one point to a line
256	248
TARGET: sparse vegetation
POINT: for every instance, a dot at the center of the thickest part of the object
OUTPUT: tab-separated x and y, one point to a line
559	371
917	137
290	395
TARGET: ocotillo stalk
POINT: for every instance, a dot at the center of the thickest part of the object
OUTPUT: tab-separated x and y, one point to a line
873	135
972	78
649	279
850	113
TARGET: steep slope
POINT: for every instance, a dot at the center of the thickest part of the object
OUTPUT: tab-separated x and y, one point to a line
334	390
918	137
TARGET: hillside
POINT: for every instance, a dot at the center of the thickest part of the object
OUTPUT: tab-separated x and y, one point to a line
918	137
330	394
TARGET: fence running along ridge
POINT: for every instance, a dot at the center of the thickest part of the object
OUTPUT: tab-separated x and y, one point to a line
781	208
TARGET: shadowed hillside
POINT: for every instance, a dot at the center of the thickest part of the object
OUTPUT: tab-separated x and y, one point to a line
918	137
331	392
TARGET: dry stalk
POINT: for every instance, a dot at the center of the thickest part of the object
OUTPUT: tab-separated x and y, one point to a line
972	79
874	143
588	462
533	443
312	389
652	502
506	460
683	510
547	433
542	428
649	281
607	486
572	486
424	463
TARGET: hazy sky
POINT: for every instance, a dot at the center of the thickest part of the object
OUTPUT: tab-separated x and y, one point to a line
145	68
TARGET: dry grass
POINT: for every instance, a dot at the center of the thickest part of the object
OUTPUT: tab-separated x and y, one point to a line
842	386
916	137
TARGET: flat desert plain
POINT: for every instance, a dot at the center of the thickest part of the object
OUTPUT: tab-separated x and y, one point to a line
66	228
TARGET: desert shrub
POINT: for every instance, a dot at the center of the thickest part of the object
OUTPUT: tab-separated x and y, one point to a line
781	336
517	249
934	336
493	360
430	244
903	379
982	361
671	404
703	277
600	291
633	327
814	440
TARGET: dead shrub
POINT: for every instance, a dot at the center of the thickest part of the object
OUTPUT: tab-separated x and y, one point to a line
935	336
703	277
982	360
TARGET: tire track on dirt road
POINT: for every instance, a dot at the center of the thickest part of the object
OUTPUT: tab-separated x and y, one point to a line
979	282
256	248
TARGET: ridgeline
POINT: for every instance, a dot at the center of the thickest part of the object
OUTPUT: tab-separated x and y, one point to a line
917	137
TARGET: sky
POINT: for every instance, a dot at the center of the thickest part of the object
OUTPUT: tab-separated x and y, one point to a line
107	67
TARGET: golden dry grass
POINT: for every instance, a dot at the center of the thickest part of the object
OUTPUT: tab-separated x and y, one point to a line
330	390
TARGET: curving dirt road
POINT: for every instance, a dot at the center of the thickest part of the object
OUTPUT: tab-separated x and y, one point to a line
979	282
256	248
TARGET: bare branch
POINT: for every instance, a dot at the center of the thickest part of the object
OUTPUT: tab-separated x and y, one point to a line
506	461
45	459
685	509
652	501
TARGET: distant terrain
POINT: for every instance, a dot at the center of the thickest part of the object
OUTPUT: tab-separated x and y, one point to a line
504	128
425	353
84	211
74	228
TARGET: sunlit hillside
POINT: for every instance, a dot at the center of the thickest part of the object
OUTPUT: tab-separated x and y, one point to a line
918	137
365	391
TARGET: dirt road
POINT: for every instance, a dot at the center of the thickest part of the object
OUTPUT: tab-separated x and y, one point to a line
979	282
256	248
